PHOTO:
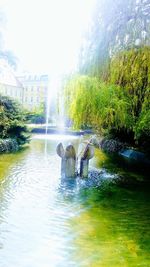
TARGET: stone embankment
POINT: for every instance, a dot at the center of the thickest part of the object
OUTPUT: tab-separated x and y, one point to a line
123	149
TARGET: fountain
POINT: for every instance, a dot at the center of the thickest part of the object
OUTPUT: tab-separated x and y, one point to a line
51	105
69	160
86	154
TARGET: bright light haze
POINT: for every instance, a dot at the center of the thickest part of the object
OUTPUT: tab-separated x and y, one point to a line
46	34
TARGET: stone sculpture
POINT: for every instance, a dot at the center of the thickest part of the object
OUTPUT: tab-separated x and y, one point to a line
69	160
87	154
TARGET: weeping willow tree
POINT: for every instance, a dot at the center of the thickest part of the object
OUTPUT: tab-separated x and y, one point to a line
131	70
142	126
116	51
90	102
120	106
81	99
115	26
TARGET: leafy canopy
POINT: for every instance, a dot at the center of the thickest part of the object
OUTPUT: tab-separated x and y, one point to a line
93	103
120	106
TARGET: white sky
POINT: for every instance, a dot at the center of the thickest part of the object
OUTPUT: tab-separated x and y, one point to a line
46	34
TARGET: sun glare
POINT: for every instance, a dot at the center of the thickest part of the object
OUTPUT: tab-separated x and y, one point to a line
46	35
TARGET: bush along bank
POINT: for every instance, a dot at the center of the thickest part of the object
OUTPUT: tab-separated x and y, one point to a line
109	145
13	130
8	145
112	145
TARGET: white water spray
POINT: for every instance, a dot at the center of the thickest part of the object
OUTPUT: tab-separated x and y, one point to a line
54	114
61	108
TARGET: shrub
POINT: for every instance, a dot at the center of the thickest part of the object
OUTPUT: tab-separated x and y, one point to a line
12	122
8	145
37	116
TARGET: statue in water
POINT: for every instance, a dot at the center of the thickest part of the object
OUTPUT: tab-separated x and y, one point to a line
69	160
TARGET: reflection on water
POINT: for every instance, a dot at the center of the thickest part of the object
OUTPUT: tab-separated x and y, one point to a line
46	221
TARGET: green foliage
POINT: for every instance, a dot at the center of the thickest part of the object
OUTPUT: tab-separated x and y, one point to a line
37	116
93	103
120	107
142	126
122	26
131	70
12	124
8	145
81	102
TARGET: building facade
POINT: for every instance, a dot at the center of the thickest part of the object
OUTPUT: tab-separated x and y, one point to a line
30	91
35	90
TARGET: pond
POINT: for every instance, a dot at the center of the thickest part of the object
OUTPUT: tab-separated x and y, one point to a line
47	222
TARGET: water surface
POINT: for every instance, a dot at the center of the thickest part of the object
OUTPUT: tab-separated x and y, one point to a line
49	222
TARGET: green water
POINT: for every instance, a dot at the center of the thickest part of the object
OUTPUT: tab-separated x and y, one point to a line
48	222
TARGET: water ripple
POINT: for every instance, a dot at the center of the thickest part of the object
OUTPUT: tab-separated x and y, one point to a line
37	208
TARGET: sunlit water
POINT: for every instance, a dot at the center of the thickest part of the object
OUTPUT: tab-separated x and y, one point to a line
49	222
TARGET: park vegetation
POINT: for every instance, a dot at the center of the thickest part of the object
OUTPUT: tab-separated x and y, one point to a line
13	131
111	90
119	105
37	116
